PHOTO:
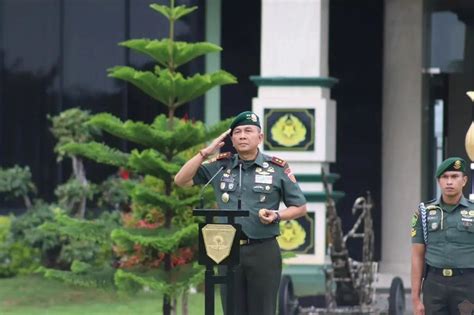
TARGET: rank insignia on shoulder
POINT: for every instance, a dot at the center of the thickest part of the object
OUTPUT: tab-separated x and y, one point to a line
224	155
209	161
278	161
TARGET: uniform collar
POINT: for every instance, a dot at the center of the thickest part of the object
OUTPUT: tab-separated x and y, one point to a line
463	201
258	160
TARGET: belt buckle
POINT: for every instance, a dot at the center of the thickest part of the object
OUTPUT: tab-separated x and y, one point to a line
447	272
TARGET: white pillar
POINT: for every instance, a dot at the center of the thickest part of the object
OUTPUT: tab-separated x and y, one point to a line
294	38
402	130
293	80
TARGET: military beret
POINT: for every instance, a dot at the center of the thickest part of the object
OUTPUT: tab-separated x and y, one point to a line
245	118
451	164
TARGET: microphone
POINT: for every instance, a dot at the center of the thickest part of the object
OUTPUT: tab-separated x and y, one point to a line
239	201
201	193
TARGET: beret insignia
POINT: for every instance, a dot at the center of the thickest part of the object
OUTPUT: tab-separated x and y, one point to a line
457	164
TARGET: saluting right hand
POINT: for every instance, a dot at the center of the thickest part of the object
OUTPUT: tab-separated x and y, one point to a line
216	144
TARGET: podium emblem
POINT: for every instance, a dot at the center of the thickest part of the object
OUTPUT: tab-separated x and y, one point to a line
218	239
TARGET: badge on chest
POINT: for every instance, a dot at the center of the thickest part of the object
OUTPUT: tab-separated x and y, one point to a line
228	181
263	179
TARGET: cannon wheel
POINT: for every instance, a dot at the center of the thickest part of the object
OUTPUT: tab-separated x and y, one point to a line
287	302
396	299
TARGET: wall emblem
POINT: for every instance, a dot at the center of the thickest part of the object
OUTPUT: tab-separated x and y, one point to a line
289	129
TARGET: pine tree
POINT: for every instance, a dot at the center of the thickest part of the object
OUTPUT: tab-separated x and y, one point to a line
158	241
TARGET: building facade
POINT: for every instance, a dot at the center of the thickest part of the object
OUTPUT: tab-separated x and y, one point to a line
402	67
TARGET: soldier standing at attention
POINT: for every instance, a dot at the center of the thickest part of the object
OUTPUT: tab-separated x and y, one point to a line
265	182
443	247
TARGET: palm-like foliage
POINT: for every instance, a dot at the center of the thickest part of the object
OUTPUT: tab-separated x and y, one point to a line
158	241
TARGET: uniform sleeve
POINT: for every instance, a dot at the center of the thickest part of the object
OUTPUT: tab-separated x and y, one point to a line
416	229
291	191
205	172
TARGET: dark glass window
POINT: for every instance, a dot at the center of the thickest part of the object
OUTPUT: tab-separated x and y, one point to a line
449	72
92	30
29	85
54	55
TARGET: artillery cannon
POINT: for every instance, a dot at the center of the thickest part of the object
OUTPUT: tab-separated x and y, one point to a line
350	284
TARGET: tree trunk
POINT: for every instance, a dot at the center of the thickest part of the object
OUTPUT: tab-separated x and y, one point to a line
80	174
184	302
27	201
174	308
166	298
166	305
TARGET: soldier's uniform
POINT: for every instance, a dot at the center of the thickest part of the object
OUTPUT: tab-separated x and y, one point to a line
448	286
266	182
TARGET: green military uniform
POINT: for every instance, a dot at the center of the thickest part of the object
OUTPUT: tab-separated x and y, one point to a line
448	234
266	182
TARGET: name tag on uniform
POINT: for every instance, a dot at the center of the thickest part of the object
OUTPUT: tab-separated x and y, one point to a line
263	179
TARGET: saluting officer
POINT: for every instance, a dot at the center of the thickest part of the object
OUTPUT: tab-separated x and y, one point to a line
443	246
261	182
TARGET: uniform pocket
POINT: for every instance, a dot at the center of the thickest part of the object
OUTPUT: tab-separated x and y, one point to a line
263	191
466	225
464	232
434	223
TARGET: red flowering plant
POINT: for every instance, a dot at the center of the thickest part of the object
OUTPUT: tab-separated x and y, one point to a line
124	173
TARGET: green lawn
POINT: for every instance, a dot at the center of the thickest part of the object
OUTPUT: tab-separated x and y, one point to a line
35	295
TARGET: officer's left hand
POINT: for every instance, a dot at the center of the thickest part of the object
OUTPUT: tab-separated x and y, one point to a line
266	216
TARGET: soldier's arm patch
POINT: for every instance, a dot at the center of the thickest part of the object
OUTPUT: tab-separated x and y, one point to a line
278	161
414	220
290	175
413	232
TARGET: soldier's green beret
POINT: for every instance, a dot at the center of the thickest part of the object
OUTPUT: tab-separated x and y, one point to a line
245	118
451	164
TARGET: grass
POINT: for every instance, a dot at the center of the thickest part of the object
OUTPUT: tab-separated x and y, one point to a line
35	295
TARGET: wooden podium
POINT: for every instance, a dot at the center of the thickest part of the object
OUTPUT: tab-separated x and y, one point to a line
219	244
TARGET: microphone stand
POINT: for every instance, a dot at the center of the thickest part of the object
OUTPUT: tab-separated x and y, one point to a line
201	193
239	200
